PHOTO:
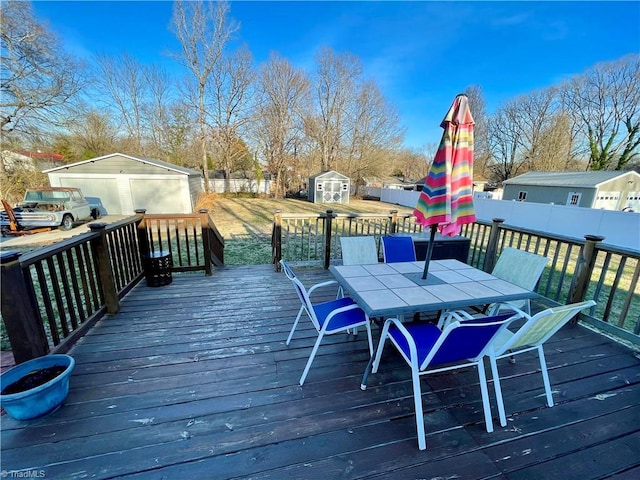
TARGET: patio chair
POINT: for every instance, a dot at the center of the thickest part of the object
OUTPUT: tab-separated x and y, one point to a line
359	250
427	349
339	315
398	249
529	337
520	268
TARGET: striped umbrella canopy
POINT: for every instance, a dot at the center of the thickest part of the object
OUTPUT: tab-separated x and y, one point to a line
446	201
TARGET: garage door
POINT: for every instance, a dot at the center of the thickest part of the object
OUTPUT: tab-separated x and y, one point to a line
101	192
158	196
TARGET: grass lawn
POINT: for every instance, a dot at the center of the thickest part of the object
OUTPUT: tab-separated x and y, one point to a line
246	223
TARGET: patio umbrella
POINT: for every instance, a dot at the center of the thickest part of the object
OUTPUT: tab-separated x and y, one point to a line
446	201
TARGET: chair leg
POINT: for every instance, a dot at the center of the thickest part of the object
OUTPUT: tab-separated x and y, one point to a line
417	401
545	376
485	396
381	342
311	357
498	389
295	324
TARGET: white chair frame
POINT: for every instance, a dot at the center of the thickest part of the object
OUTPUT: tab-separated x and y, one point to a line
308	307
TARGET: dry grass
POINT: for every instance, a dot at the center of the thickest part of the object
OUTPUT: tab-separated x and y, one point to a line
247	216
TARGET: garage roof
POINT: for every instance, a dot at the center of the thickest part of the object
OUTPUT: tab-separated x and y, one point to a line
149	161
566	179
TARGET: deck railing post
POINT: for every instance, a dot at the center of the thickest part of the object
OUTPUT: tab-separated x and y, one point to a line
327	239
584	268
105	272
206	239
20	311
276	239
141	230
393	221
492	245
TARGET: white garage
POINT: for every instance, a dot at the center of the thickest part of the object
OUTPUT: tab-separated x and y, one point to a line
119	184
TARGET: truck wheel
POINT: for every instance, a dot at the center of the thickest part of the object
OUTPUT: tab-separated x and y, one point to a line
96	213
67	222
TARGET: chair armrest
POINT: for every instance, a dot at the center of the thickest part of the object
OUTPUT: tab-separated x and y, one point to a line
517	310
413	350
449	316
323	284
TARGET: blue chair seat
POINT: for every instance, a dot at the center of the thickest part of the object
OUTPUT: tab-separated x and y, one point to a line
341	320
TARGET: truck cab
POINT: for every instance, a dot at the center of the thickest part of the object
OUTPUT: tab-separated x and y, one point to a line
50	207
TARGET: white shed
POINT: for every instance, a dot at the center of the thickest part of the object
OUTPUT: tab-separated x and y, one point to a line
329	187
119	184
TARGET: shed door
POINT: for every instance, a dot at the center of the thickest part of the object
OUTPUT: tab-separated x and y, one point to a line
332	191
158	196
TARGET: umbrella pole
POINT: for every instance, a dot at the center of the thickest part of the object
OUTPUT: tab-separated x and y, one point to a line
429	251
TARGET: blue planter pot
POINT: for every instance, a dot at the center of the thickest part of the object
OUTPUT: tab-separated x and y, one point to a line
40	400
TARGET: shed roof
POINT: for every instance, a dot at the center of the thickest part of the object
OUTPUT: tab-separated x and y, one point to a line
329	174
567	179
149	161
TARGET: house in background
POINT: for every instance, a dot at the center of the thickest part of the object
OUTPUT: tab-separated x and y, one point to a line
608	190
28	160
119	184
329	187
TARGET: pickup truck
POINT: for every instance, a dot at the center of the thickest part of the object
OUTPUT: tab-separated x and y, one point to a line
50	207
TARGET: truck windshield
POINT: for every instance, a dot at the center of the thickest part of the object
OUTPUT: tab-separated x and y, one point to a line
39	196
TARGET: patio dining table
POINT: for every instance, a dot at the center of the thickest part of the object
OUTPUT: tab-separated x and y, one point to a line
396	289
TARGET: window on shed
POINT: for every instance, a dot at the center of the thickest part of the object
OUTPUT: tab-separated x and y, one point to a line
522	196
573	198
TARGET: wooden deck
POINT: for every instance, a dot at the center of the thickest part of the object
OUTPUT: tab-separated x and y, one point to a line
194	380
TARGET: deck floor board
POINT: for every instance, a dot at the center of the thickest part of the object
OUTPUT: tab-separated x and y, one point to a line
195	380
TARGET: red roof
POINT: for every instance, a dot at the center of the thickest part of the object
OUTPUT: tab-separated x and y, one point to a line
55	157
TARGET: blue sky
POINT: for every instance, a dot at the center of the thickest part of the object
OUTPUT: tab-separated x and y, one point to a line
421	53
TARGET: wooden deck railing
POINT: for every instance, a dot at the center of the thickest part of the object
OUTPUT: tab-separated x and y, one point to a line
52	295
578	269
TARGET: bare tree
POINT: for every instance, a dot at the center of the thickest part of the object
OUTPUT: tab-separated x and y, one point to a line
504	143
413	164
204	30
530	132
37	78
534	115
284	96
554	145
333	86
605	103
232	81
371	130
481	149
138	95
91	134
175	135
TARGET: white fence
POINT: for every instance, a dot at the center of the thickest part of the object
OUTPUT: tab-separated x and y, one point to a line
620	229
240	185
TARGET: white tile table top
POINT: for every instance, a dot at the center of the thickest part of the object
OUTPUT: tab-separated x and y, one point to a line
383	290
